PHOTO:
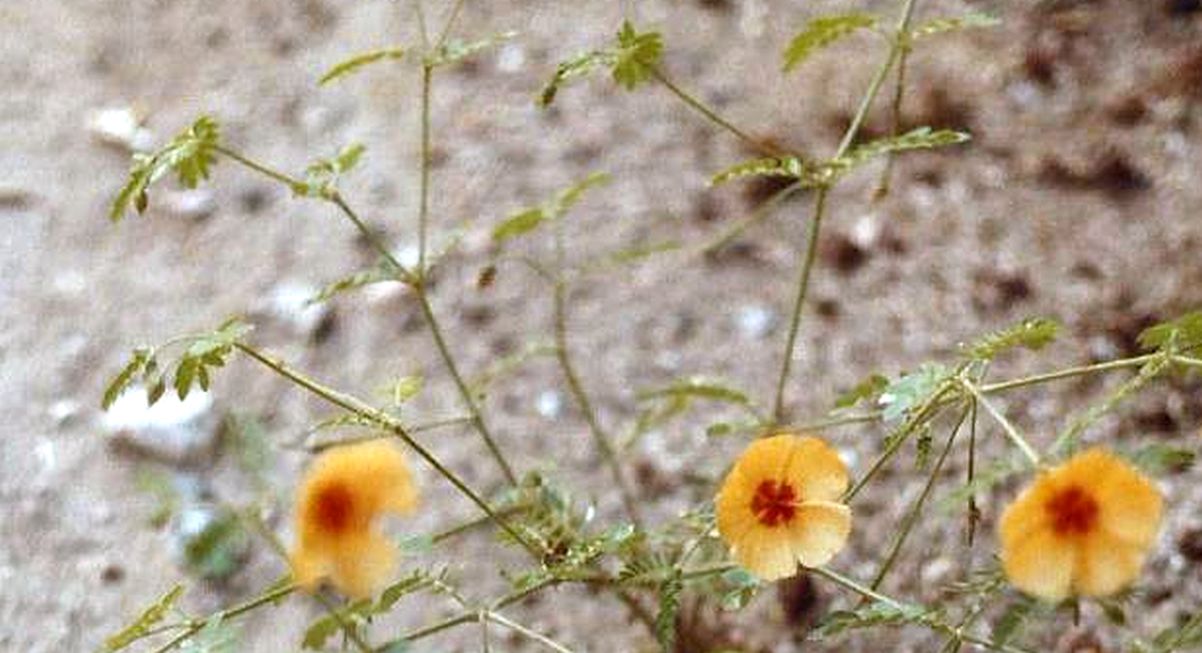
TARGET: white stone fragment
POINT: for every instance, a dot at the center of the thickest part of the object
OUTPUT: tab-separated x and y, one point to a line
193	204
755	321
120	127
288	303
549	404
173	431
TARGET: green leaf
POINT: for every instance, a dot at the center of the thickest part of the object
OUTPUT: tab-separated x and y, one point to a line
821	32
142	356
319	632
377	274
191	155
454	51
358	61
788	166
145	621
872	615
568	197
1184	332
669	607
1034	334
528	220
942	25
637	56
699	388
406	388
867	390
568	71
741	586
1009	624
219	549
215	637
911	390
321	177
519	223
922	138
1157	458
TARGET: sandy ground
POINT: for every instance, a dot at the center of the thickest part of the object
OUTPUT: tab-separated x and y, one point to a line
1077	199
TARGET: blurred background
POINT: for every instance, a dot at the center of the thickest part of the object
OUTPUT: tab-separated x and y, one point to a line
1077	199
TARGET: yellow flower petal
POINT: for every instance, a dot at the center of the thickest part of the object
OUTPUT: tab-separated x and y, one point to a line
768	557
343	492
1105	565
1083	528
820	531
816	470
1041	564
776	508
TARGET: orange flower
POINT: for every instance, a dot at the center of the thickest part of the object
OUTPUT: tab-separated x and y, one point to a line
341	495
1082	528
779	506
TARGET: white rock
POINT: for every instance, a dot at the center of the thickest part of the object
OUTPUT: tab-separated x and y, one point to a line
549	404
384	292
288	303
511	58
171	430
866	232
407	256
193	204
120	127
63	411
755	321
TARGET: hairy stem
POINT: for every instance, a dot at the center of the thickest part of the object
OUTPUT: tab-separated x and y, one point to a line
392	425
803	285
711	115
845	144
912	515
1011	432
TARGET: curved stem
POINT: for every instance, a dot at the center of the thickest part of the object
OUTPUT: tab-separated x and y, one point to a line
803	285
423	214
711	115
270	596
392	425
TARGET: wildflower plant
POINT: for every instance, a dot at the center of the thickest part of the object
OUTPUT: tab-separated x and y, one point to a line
1080	532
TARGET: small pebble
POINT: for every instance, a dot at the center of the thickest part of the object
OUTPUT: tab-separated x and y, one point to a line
120	127
511	59
172	431
193	204
549	404
288	303
755	321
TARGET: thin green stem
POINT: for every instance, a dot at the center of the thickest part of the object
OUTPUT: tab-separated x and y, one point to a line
424	31
712	115
845	144
389	423
912	515
291	182
973	513
803	285
898	95
1082	370
465	393
600	436
450	24
758	215
271	596
423	215
1007	427
933	624
497	617
563	354
874	87
897	440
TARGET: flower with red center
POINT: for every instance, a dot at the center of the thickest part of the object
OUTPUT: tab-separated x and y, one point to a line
344	491
1083	528
779	506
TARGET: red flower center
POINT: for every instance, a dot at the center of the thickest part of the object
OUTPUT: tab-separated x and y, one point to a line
774	503
334	508
1073	511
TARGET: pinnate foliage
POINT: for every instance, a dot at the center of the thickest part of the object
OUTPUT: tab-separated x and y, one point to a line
632	61
821	32
141	626
1181	333
943	25
1033	334
455	50
529	219
355	63
190	155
